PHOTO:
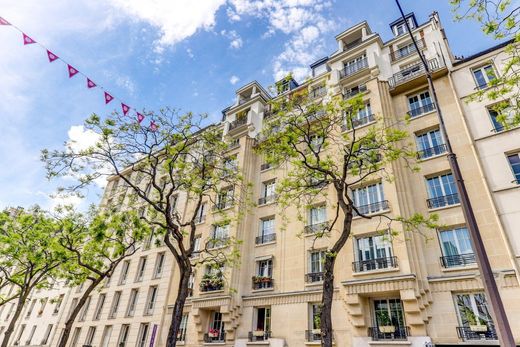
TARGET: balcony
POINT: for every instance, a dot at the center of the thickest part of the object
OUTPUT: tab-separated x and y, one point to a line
222	205
234	144
237	123
431	151
316	228
313	335
181	335
372	208
313	277
266	238
217	242
441	201
359	122
215	337
354	91
258	335
413	71
265	166
352	69
318	93
267	199
402	53
418	111
458	260
389	332
477	332
211	284
374	264
262	282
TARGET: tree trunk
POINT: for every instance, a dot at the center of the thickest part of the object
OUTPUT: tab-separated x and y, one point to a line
326	301
70	320
17	313
183	291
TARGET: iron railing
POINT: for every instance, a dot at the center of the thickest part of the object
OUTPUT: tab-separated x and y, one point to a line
413	71
431	151
314	277
220	338
222	205
237	123
352	69
411	50
358	122
417	111
355	91
259	335
211	285
373	208
441	201
265	166
265	238
472	333
261	282
458	260
374	264
217	242
386	333
317	93
181	335
266	199
316	228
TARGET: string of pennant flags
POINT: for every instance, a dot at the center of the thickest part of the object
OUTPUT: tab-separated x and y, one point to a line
72	71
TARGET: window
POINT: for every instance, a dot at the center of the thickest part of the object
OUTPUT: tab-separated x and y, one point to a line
318	91
316	260
497	125
374	252
123	335
159	265
354	65
388	312
484	75
224	199
267	233
20	333
314	333
141	267
132	303
31	308
216	328
456	247
268	192
196	245
83	313
47	334
99	307
11	308
75	337
474	317
230	165
362	117
57	306
262	323
31	335
220	236
420	104
264	274
400	29
115	304
442	191
43	303
370	199
317	215
90	336
105	339
191	284
514	162
72	307
150	302
143	334
201	214
124	272
181	336
430	144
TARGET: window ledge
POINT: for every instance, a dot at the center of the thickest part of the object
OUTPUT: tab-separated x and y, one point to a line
443	207
262	290
258	343
313	284
372	214
265	244
375	272
267	203
443	154
513	186
460	268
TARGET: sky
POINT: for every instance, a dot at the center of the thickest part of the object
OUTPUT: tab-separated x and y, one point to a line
186	54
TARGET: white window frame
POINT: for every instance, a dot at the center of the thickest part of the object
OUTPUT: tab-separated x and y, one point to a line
141	269
151	300
132	302
116	301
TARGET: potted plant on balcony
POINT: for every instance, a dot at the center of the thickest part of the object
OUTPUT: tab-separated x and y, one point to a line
213	332
317	326
258	333
476	324
384	323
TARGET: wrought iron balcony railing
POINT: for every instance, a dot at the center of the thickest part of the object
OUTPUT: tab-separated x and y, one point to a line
410	50
374	264
211	285
355	91
217	242
237	123
388	333
219	337
265	238
258	335
373	208
420	110
358	122
265	166
262	282
431	151
314	277
313	335
267	199
352	69
458	260
316	228
181	335
413	71
441	201
477	332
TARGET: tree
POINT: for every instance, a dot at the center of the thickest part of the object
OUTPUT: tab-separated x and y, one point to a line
153	166
95	245
324	155
30	256
499	19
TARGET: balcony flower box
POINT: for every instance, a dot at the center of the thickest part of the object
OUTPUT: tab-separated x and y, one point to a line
316	331
261	279
478	328
258	333
387	329
213	333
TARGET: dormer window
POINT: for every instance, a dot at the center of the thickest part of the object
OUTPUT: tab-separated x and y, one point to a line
399	26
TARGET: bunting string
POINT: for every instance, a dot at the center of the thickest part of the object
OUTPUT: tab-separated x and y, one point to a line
72	71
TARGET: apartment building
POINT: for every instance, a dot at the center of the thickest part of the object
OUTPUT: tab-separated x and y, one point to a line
408	289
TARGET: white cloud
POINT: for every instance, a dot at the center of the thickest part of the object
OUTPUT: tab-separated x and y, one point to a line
81	138
190	53
234	80
235	39
176	20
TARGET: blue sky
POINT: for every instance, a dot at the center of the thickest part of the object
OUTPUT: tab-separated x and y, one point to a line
187	54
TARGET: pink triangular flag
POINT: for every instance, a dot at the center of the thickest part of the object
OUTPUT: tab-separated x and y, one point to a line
27	40
153	126
90	84
52	56
72	71
125	108
140	117
4	22
108	98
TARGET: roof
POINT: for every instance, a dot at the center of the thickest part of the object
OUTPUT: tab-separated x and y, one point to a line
319	62
400	19
484	52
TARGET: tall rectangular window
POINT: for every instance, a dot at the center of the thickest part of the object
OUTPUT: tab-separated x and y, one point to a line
370	199
201	213
473	311
57	306
124	272
132	303
420	104
373	252
105	339
484	75
123	335
225	199
83	313
430	144
316	260
159	265
75	337
115	304
142	337
99	307
31	335
90	336
456	247
141	267
220	236
514	162
43	303
442	191
317	215
31	308
268	192
72	307
47	334
181	336
267	231
150	301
